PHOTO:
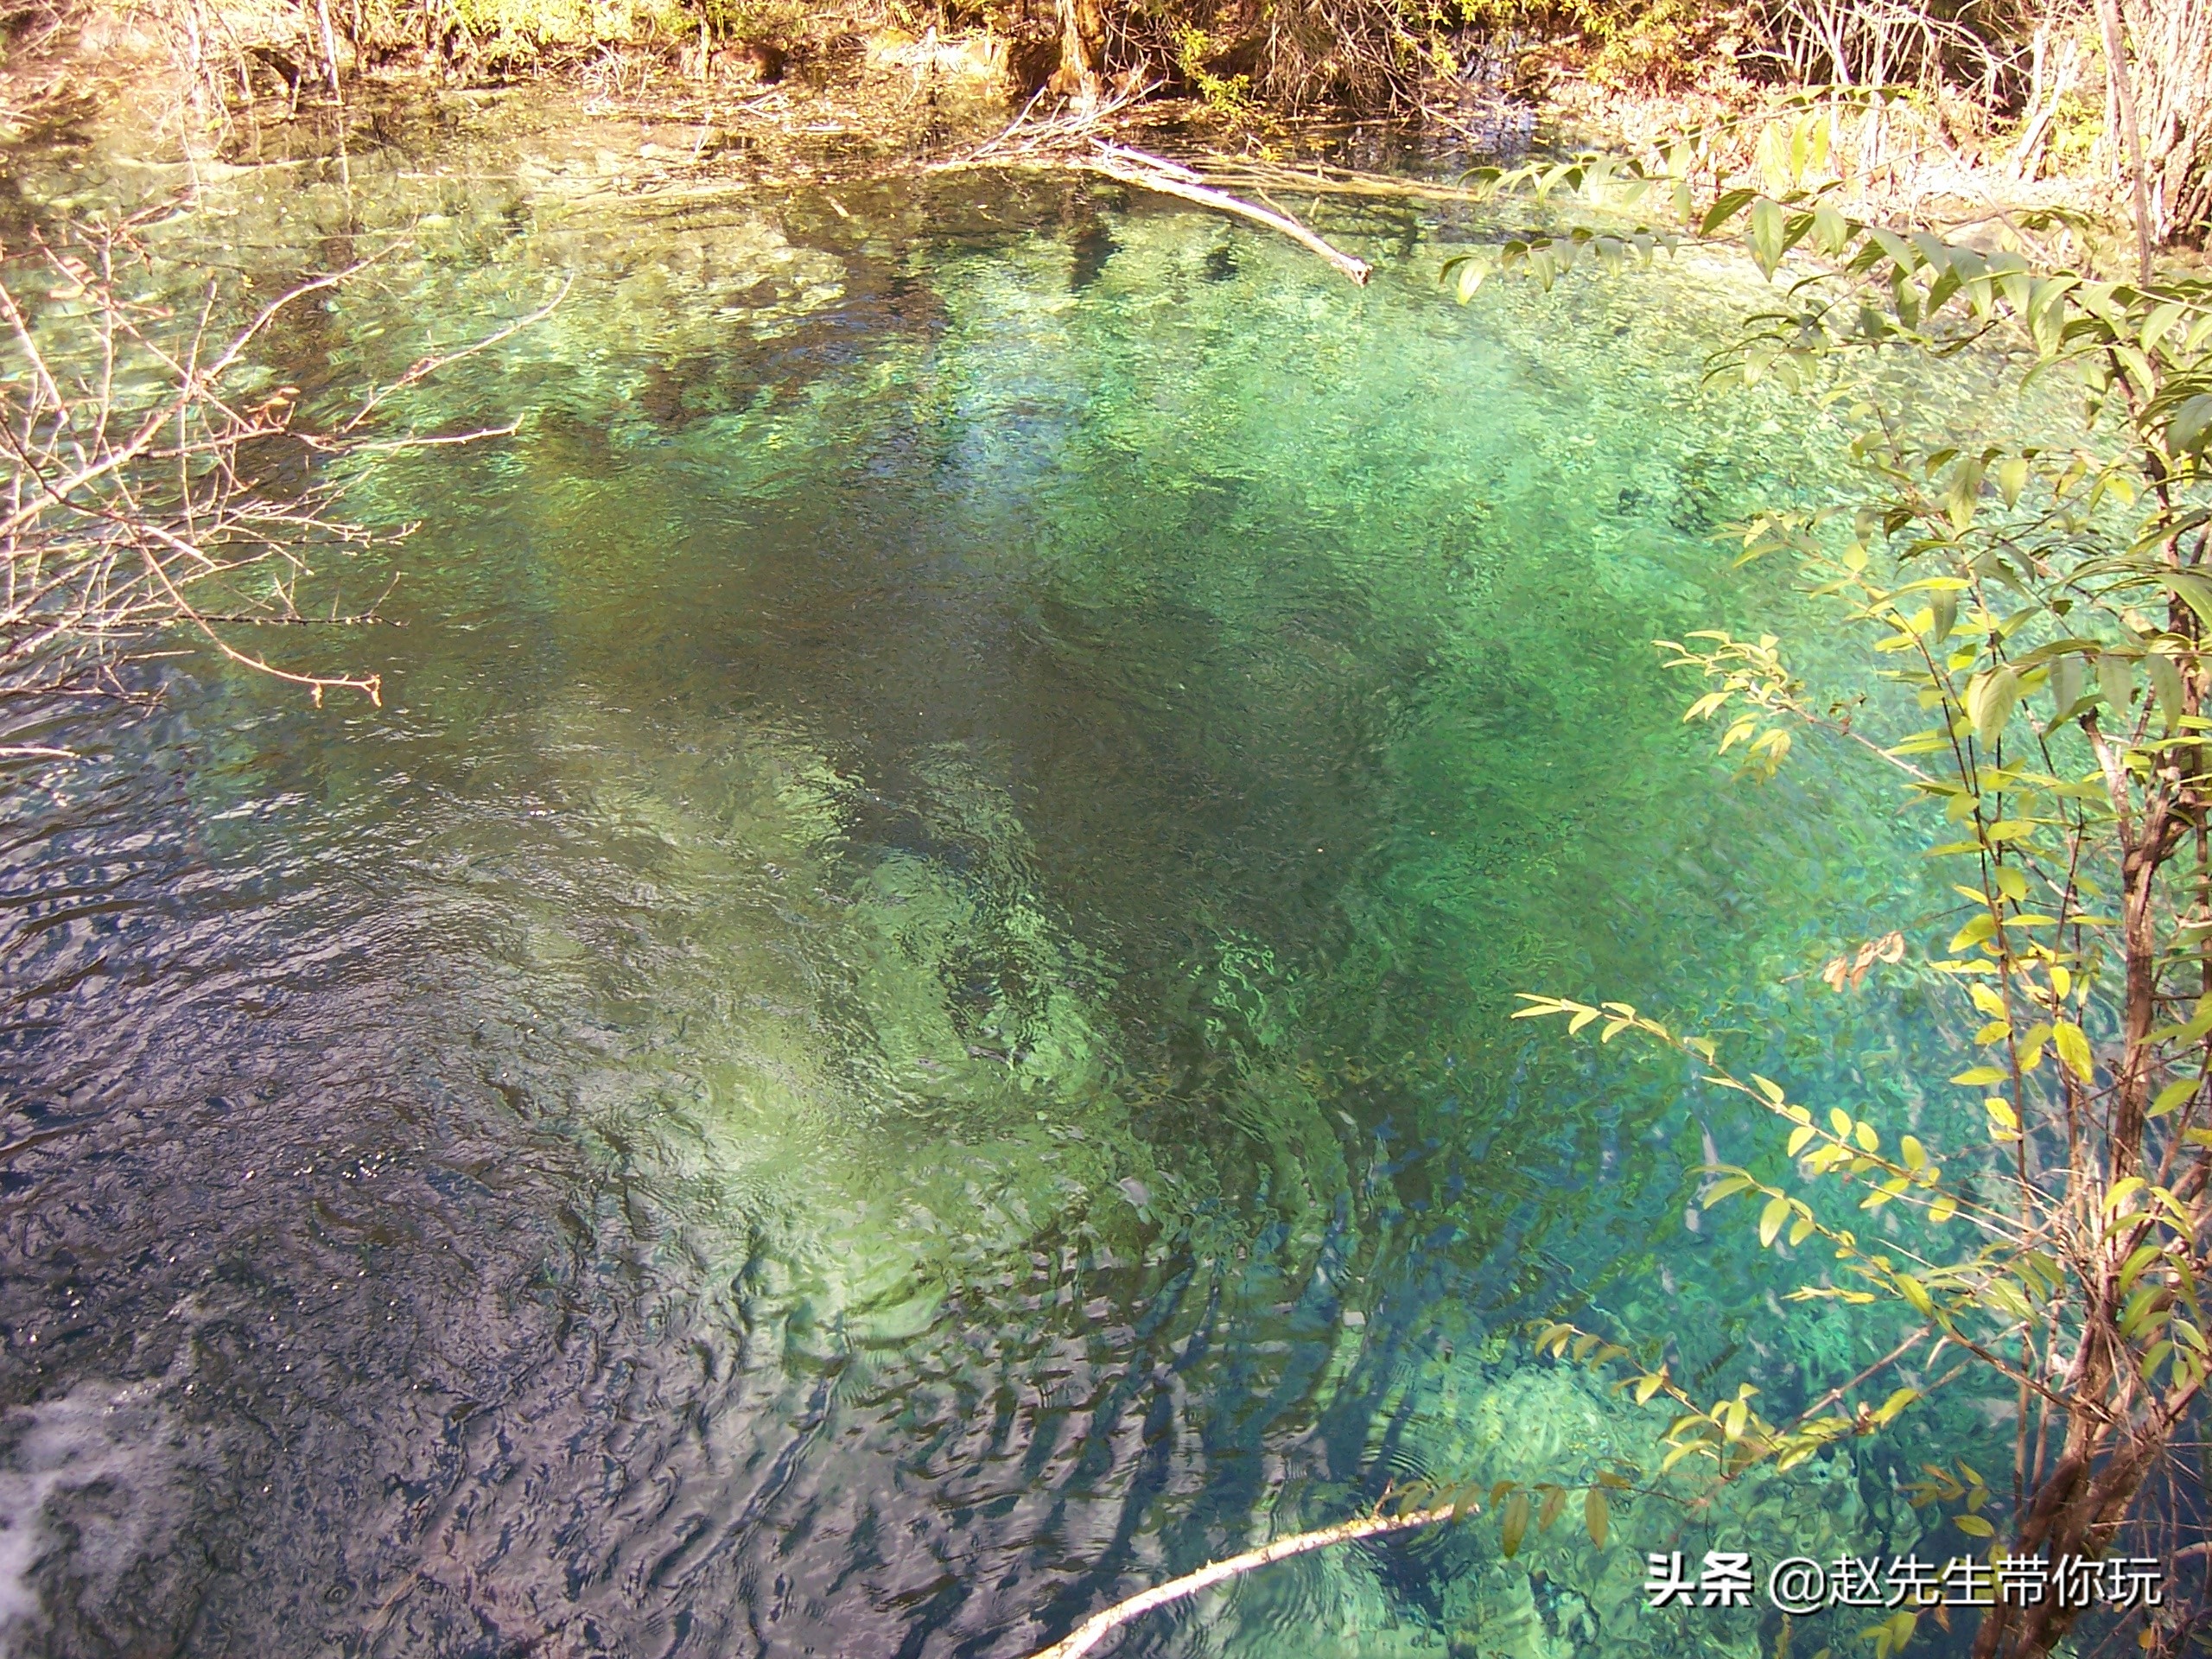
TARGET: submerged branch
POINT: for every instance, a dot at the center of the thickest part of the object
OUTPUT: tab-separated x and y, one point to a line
1073	143
1165	178
1095	1629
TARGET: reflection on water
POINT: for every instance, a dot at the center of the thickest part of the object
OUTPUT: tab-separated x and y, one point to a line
899	1029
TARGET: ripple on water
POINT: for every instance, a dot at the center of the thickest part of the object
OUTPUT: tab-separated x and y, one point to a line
898	1029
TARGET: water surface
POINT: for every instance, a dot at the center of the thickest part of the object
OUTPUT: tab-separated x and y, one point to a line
897	1028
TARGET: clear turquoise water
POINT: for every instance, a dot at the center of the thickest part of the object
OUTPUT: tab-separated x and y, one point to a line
898	1028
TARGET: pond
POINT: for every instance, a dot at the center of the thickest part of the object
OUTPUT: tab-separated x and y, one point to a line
898	1026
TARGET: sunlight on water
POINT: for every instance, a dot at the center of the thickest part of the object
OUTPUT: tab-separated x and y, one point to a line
900	1027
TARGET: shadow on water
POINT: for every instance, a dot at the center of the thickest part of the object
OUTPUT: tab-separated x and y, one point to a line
898	1028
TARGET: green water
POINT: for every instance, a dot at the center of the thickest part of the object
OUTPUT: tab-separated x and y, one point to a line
898	1028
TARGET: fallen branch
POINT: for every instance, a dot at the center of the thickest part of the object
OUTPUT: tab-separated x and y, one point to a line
1072	141
1095	1629
1319	181
1024	136
1164	178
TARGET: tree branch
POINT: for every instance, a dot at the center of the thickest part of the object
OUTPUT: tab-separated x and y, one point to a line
1095	1629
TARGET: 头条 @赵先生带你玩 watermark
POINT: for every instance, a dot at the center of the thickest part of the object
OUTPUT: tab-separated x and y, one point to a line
1801	1585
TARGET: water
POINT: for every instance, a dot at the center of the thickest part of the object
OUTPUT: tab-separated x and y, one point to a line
897	1028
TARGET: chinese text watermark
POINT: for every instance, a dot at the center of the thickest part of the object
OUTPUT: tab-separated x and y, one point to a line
1799	1583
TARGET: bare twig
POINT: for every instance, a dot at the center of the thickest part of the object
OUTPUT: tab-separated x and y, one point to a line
427	366
120	512
1095	1629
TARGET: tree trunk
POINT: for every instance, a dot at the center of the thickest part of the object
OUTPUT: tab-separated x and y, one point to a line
2081	1506
2140	866
2123	98
2074	1512
2171	76
1083	42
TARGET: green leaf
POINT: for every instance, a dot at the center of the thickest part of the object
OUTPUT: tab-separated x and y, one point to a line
1888	1410
1945	1206
2194	590
1727	1187
2141	1257
2162	318
1942	614
2068	674
1724	207
2187	433
1979	927
1597	1516
2115	683
2046	311
2073	1046
1974	1526
2173	1094
1771	1217
2165	685
2198	1026
1766	233
1964	493
1990	698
